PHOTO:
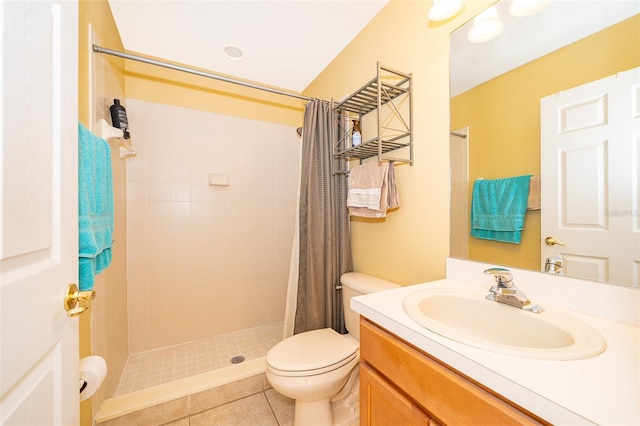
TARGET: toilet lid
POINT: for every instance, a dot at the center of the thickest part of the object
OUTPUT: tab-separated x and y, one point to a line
311	350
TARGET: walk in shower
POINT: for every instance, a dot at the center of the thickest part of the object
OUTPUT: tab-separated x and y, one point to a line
208	204
211	202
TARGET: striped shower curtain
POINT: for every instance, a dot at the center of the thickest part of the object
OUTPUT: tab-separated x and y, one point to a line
324	243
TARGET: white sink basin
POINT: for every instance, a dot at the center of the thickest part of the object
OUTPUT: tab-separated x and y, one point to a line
464	315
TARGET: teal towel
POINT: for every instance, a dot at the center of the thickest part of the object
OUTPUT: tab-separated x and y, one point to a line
498	208
95	206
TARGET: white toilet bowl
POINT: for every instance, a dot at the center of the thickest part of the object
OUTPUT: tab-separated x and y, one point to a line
311	368
314	366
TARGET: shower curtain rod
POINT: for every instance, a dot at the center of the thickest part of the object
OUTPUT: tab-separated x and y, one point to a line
138	58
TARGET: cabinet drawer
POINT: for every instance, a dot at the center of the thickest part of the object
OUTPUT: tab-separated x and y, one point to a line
449	397
382	404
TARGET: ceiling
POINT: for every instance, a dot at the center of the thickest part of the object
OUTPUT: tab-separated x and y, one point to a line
286	43
561	23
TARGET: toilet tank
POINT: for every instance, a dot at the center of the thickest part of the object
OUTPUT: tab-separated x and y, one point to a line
356	284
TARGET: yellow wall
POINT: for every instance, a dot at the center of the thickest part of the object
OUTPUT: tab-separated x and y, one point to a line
165	86
410	246
98	14
503	116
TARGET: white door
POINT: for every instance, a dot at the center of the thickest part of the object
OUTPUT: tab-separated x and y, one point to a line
38	211
590	154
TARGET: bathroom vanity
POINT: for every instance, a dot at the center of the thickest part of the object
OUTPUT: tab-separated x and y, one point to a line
400	384
411	375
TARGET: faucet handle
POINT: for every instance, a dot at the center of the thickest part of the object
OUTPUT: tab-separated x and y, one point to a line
502	276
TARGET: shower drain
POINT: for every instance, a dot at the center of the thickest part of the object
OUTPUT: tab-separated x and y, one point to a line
237	359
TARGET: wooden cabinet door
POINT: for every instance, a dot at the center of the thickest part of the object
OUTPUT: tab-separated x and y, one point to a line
432	386
381	404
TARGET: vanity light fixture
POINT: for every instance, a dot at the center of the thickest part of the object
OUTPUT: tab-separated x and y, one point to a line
522	8
445	9
233	53
486	26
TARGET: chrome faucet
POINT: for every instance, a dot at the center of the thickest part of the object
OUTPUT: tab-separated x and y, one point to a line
553	265
506	292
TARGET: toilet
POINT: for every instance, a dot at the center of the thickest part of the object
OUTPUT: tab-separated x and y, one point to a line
317	366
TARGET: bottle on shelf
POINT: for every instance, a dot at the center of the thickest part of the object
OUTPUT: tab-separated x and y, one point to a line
356	135
119	118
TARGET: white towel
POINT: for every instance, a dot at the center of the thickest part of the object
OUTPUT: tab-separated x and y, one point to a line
372	189
533	202
364	197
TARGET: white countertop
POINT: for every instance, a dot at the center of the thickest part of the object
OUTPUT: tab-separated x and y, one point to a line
600	390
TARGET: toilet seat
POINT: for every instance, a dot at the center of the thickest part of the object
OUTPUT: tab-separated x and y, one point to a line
312	352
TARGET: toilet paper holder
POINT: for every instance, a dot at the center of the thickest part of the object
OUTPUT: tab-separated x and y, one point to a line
93	370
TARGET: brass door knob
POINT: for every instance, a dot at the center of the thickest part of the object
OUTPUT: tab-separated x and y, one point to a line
550	241
75	301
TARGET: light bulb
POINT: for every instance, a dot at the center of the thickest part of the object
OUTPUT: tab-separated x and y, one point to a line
522	8
486	26
445	9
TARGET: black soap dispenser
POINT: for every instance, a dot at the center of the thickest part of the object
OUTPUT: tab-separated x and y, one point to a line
119	118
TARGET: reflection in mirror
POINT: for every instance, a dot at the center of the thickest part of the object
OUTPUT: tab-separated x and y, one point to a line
496	89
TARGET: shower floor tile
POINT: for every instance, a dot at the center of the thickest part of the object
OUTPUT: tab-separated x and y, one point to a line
151	368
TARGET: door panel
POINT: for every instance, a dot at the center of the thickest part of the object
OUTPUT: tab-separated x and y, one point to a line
38	211
590	187
584	187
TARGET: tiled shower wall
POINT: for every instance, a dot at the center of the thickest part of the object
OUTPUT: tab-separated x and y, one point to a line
109	308
205	260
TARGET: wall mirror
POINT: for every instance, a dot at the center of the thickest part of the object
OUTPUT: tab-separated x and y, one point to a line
496	89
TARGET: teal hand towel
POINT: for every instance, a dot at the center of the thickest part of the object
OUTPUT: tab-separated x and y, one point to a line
95	206
498	208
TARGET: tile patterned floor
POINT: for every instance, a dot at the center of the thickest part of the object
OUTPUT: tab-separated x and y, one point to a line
163	365
262	409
